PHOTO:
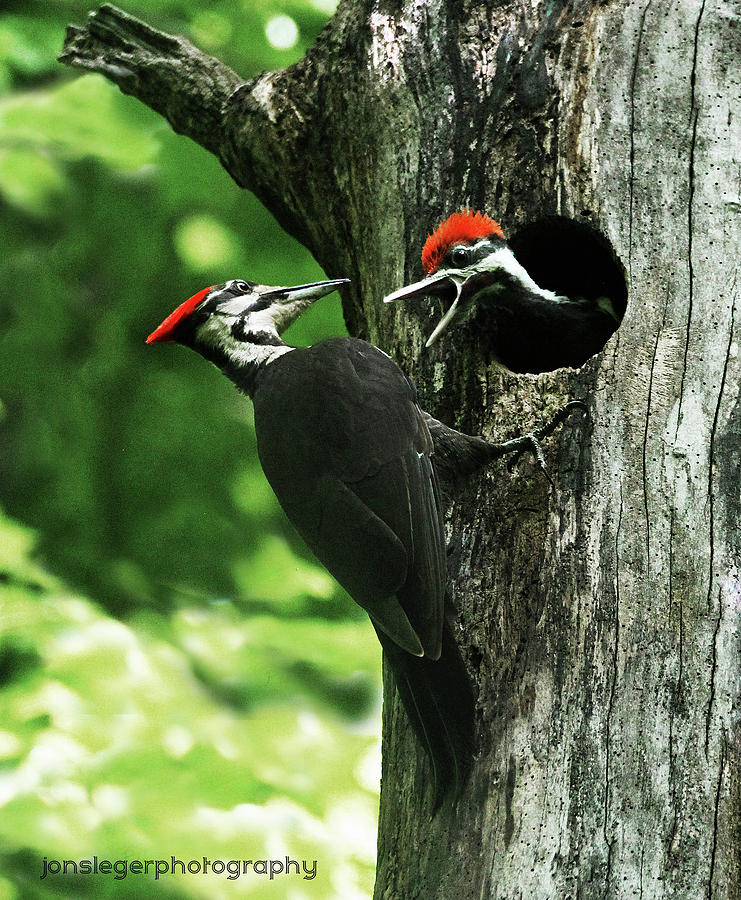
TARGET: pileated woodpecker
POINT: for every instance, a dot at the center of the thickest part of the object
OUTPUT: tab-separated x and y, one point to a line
349	455
470	266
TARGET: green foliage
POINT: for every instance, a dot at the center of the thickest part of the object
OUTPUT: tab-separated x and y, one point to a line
220	696
124	740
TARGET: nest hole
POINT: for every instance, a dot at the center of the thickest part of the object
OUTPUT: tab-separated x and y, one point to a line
576	261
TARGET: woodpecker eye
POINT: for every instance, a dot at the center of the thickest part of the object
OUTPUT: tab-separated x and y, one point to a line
459	256
242	286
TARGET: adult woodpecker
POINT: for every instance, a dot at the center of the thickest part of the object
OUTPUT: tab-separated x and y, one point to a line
349	455
470	266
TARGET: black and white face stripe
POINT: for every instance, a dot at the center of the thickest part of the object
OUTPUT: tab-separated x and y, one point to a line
236	297
241	331
465	269
262	309
239	314
461	256
501	262
240	298
237	327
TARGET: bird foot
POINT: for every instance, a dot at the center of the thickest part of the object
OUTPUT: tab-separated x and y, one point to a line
530	442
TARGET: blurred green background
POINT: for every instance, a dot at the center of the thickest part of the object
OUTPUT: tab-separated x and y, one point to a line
178	676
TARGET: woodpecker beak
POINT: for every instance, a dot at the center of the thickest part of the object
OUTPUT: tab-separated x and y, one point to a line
446	285
303	292
287	303
282	300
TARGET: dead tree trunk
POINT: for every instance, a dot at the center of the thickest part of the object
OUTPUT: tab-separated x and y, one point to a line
600	618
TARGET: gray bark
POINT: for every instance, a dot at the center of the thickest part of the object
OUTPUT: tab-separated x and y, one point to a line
599	618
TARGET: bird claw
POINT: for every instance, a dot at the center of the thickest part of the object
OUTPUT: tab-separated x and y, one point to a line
530	442
531	445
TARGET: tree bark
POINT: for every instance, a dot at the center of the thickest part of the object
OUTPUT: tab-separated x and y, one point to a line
599	618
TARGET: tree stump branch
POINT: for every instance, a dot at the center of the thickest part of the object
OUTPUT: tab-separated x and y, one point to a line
254	128
190	89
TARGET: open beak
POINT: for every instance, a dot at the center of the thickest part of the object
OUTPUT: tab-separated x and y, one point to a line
446	285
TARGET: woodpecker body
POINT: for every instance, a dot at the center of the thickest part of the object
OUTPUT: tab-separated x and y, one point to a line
349	455
528	328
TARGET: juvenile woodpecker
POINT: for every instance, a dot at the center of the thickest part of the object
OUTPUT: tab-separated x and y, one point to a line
349	455
471	268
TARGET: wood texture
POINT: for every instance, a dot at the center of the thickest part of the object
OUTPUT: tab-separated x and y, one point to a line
600	618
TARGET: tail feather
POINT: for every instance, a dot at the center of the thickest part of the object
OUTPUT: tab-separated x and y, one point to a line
438	698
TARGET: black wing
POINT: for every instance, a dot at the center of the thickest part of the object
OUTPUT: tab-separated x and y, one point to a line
347	452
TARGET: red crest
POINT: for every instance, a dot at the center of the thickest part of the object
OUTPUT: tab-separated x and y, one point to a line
461	227
164	331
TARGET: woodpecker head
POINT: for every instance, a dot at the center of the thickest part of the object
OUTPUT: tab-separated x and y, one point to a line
239	312
466	256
